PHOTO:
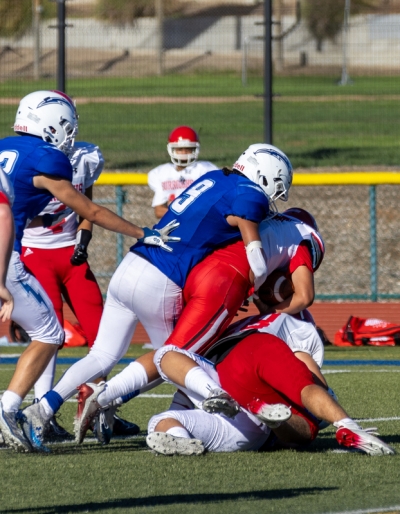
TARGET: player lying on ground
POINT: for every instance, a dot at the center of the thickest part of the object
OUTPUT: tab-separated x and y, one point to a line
39	171
268	389
169	180
216	210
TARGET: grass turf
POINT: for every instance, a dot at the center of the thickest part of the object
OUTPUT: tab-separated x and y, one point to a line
327	133
126	477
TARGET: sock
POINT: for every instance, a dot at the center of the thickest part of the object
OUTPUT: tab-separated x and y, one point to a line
179	432
11	401
132	378
45	382
199	382
51	402
347	421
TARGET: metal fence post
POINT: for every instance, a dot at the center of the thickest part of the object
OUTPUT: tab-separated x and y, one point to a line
373	242
121	200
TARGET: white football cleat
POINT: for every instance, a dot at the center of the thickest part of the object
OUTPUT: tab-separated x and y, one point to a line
167	444
87	408
272	415
34	424
353	436
12	433
219	402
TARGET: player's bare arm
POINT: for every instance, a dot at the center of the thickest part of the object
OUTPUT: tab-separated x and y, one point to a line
302	297
313	367
160	210
6	246
85	208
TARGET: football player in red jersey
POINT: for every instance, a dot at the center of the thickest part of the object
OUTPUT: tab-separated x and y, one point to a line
169	180
259	381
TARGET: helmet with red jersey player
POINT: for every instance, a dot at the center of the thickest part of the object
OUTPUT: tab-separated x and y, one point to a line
50	115
302	215
183	137
316	243
268	167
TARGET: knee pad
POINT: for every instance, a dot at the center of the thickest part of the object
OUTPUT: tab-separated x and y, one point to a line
160	354
155	420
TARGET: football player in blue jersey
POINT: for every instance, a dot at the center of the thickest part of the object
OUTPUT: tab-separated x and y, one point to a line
39	169
216	210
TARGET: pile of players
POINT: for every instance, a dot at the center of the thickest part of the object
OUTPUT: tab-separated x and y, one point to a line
252	385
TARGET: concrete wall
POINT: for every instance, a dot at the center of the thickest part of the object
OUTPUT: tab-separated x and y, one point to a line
374	41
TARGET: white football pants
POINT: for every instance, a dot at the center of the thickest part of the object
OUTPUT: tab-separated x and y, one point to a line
138	291
33	309
218	433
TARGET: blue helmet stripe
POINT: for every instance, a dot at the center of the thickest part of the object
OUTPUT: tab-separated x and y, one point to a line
276	154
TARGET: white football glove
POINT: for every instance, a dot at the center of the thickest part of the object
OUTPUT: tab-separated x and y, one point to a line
159	237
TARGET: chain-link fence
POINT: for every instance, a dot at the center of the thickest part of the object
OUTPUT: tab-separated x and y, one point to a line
139	71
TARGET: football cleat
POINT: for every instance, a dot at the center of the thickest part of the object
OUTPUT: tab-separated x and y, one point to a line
34	424
104	424
124	428
271	415
12	433
353	436
160	442
55	433
87	408
219	402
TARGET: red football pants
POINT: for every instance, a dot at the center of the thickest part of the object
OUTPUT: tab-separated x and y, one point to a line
213	293
262	367
77	284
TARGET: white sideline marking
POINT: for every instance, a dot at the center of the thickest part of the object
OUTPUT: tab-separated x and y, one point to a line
380	510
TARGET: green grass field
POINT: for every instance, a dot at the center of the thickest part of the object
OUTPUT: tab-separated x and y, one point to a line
126	477
355	131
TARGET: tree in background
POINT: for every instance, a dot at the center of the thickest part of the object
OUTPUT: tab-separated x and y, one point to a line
16	16
325	17
126	11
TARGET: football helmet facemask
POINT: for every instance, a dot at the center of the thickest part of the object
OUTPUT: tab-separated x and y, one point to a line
50	115
268	167
183	137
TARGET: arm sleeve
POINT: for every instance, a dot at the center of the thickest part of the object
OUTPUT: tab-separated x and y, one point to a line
56	164
250	203
302	257
3	198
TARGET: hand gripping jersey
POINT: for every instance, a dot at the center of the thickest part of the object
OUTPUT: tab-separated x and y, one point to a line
87	163
168	183
22	158
201	211
284	238
299	335
6	189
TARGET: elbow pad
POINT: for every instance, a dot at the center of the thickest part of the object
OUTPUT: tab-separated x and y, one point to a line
256	258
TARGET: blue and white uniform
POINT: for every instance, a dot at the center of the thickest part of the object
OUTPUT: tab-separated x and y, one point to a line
202	211
23	158
147	285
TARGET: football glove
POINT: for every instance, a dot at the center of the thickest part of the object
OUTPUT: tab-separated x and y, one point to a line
80	254
161	236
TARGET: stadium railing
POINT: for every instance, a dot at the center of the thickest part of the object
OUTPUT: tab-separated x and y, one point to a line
371	179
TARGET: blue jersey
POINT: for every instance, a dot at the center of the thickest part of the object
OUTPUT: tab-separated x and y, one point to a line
202	210
22	158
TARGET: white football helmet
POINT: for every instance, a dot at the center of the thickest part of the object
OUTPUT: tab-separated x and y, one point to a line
268	167
50	115
183	137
